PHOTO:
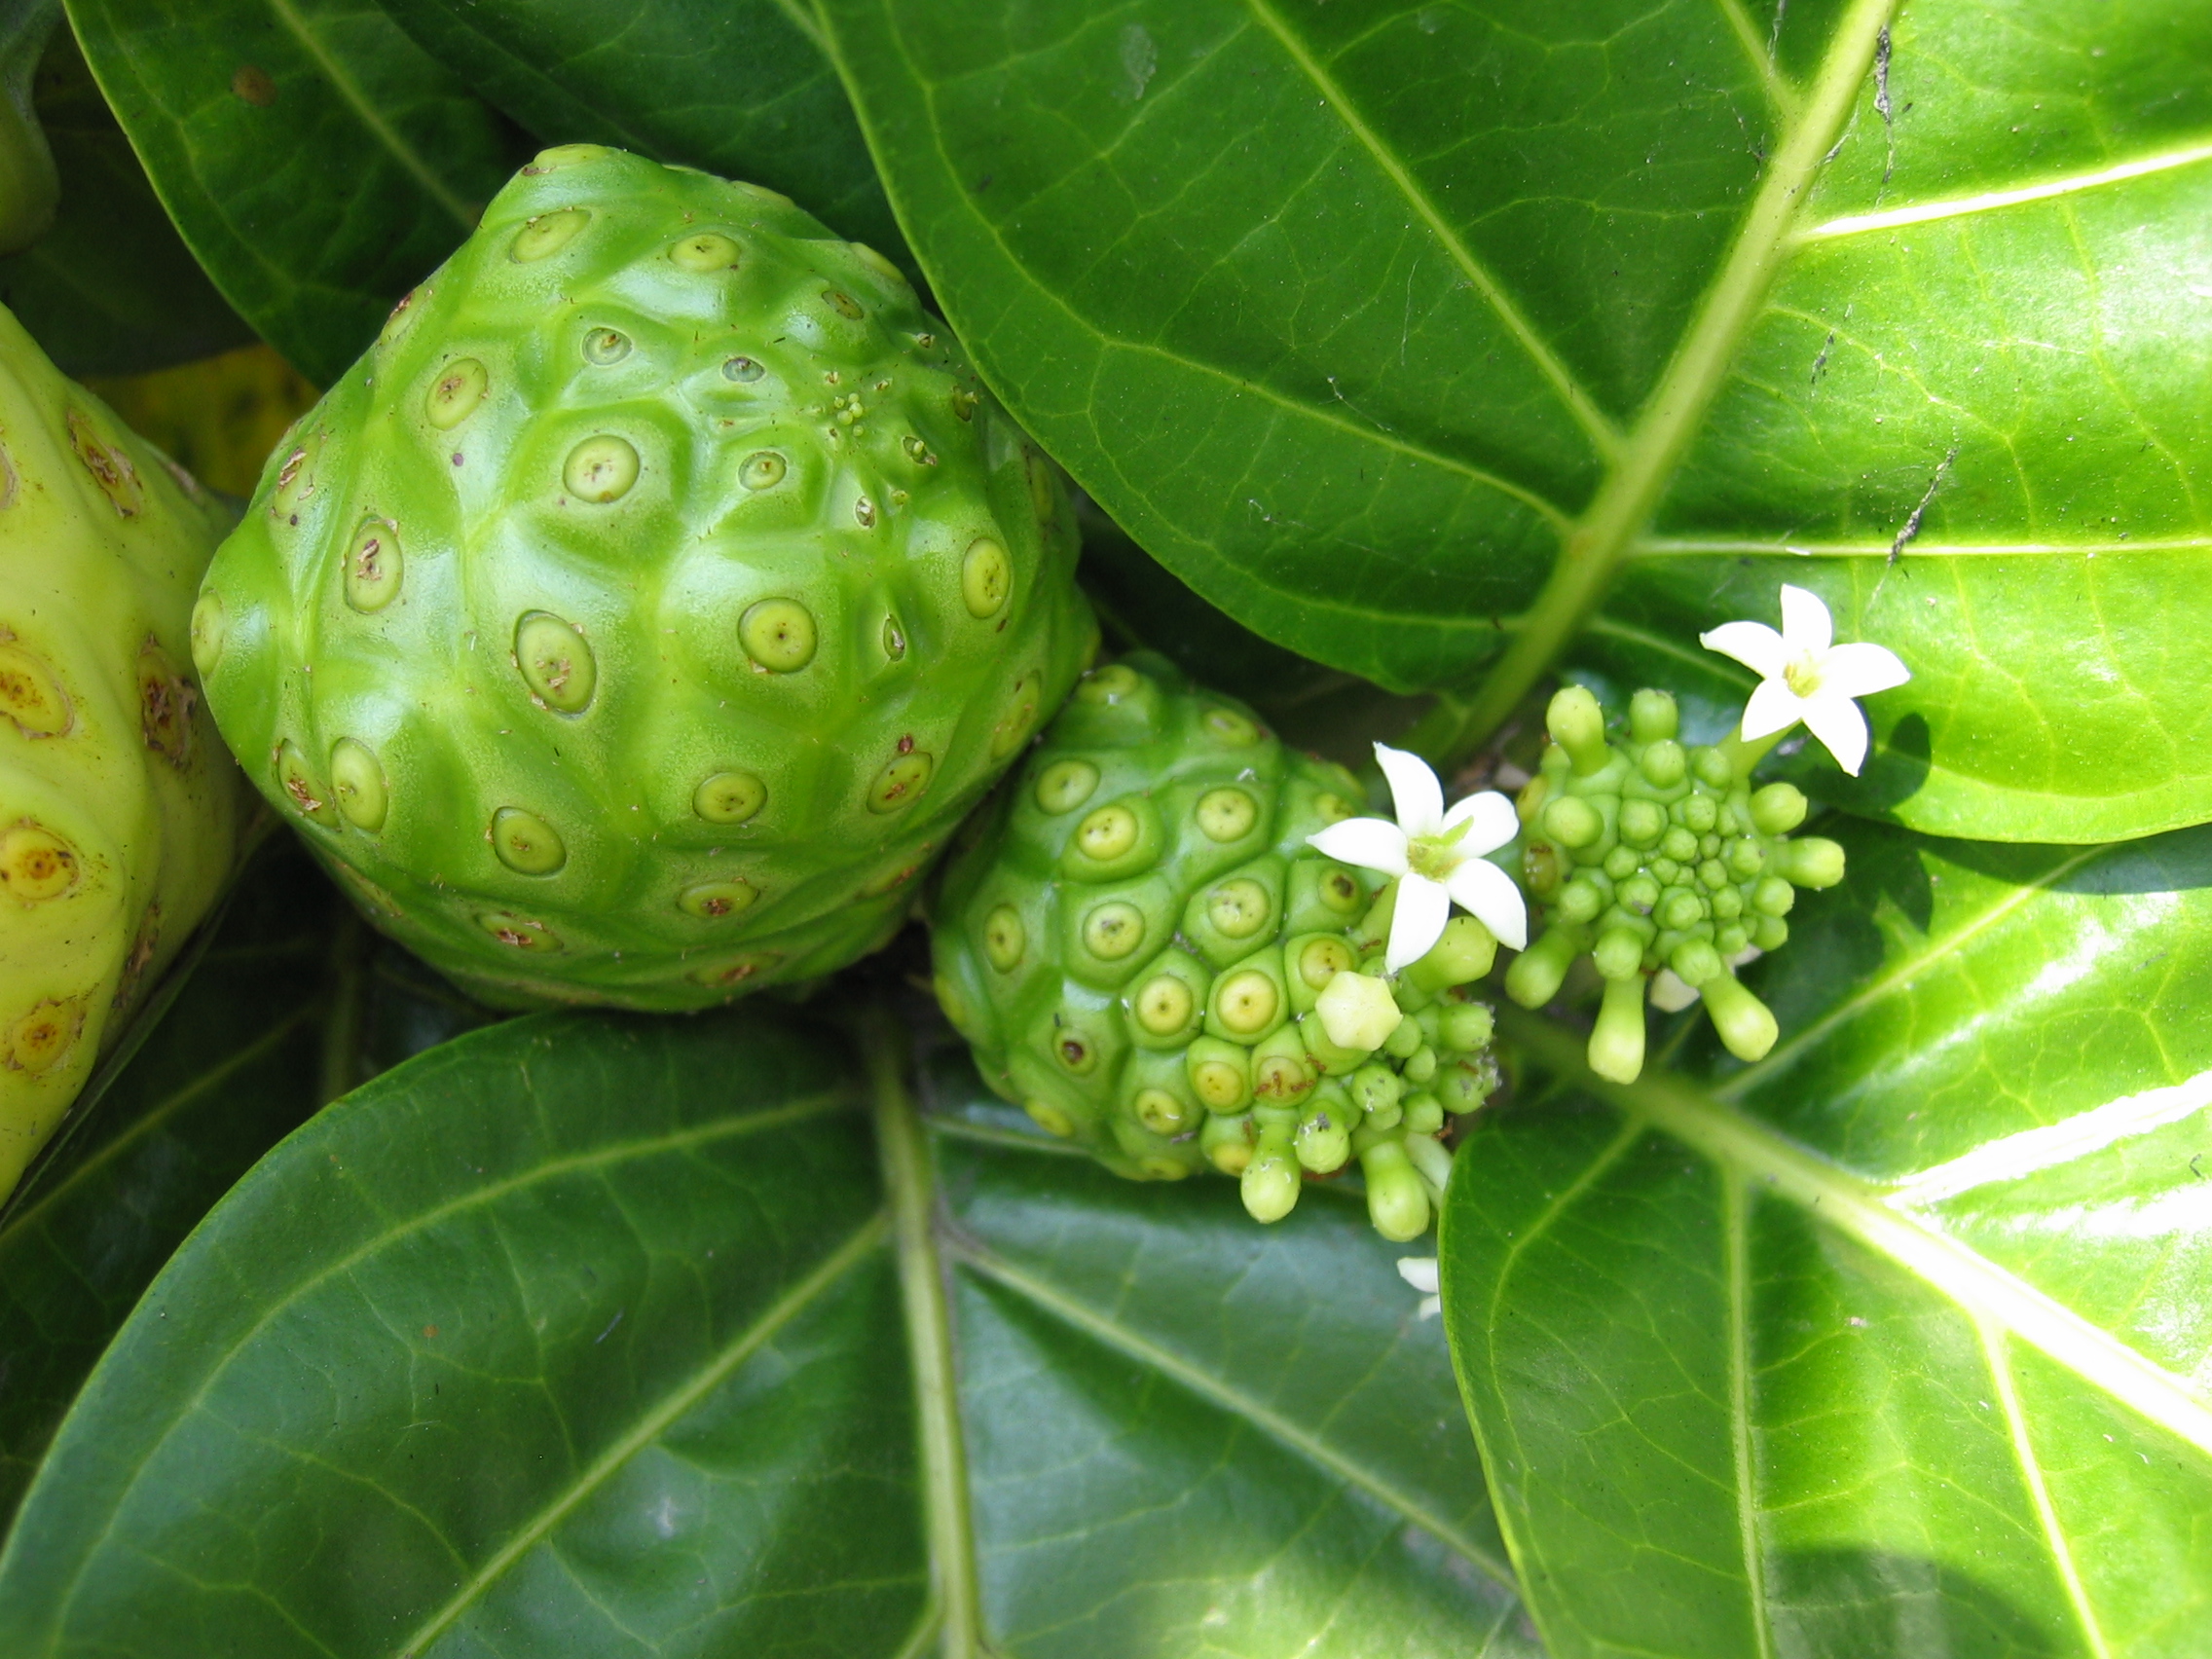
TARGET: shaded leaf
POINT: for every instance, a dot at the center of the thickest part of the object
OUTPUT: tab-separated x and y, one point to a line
1406	332
1141	604
282	1009
111	289
598	1335
318	162
1897	1341
739	88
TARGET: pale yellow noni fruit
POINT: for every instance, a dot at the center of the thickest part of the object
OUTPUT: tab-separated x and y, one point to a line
119	807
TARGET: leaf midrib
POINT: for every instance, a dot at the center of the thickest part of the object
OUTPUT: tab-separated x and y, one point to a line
1787	1169
908	1180
1637	480
599	1156
1059	1304
1596	424
370	117
864	1241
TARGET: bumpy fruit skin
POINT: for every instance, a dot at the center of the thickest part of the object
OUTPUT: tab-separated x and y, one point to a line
1657	859
1138	945
119	808
636	620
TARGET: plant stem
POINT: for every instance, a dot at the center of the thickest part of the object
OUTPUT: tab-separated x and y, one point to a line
1601	540
909	1181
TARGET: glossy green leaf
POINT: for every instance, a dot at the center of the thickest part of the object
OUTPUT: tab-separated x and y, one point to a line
318	162
1406	332
1898	1341
110	289
1143	605
289	1004
606	1336
739	88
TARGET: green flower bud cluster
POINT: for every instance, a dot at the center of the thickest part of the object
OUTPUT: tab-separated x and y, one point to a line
640	615
119	810
1650	857
1146	955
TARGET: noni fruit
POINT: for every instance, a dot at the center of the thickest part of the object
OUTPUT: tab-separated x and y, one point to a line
119	809
1146	955
637	619
1665	866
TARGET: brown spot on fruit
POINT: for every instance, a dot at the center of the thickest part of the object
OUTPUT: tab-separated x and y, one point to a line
36	863
29	696
111	468
165	701
40	1039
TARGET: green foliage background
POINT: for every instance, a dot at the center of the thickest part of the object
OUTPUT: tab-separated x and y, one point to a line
1411	355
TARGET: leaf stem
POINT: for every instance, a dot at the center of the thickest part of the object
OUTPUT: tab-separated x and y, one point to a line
348	997
1602	538
909	1180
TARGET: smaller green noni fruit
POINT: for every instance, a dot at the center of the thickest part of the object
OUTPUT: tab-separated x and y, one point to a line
639	617
119	809
1654	859
1145	954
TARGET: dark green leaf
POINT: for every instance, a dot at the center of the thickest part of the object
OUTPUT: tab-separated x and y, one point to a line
1405	332
110	289
1897	1341
739	88
282	1011
1140	603
316	160
592	1335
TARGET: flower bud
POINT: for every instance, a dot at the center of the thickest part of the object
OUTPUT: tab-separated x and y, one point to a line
1397	1203
1466	1027
1642	822
1376	1089
1572	822
1743	1022
1619	955
1270	1182
1811	861
1778	809
1664	763
1464	954
1652	716
1536	974
1578	724
1616	1045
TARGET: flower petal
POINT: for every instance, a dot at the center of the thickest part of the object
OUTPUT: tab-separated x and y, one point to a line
1491	822
1419	1272
1861	671
1671	993
1773	708
1371	843
1837	723
1806	625
1487	894
1755	644
1414	790
1417	921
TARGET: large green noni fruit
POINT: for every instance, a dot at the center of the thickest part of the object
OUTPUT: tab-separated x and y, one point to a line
1144	953
119	809
638	617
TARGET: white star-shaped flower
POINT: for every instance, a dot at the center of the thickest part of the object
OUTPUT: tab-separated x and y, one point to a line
1437	857
1803	675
